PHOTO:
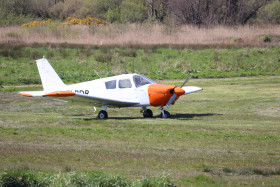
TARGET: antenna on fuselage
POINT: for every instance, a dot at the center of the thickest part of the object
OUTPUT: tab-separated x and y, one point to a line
97	74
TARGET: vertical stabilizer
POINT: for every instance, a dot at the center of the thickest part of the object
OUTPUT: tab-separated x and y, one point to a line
50	80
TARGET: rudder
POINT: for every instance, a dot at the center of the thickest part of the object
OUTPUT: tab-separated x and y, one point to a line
50	79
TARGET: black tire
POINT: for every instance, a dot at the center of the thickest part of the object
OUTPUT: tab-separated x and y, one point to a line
148	113
102	115
166	114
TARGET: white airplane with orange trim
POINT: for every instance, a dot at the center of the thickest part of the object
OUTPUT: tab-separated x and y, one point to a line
127	90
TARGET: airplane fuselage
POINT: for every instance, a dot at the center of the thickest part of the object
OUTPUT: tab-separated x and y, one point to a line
122	91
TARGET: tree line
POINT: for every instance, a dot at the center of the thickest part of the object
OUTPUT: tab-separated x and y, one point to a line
196	12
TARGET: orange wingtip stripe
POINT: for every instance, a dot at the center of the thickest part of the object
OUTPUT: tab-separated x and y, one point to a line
25	94
60	94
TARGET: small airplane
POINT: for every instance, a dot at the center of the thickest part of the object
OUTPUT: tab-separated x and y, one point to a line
127	90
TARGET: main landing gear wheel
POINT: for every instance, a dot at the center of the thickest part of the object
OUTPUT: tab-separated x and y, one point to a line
102	114
164	114
148	113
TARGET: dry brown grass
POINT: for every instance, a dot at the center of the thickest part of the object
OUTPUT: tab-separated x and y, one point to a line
141	34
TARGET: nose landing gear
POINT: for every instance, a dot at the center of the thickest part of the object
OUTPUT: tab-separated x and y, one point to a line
164	114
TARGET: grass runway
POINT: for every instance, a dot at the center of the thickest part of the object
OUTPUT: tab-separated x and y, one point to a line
226	135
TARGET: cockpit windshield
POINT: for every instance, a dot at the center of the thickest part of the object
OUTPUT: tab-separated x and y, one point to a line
140	80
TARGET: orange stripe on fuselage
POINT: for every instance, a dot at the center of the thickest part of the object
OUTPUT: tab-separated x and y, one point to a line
159	94
60	94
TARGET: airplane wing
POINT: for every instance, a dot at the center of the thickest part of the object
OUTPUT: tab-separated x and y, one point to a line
82	99
64	96
191	89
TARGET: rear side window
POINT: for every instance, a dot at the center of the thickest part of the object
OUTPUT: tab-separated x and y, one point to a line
111	84
125	83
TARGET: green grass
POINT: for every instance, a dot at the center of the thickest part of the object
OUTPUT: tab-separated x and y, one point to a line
226	135
77	63
27	177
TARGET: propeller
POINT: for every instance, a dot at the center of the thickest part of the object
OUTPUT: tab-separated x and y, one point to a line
187	79
176	91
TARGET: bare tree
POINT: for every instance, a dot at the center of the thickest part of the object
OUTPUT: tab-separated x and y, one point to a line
195	12
232	11
251	9
157	9
206	12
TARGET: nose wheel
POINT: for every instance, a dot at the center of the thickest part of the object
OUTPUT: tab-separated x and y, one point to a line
164	114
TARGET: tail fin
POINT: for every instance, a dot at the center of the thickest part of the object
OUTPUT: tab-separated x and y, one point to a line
50	80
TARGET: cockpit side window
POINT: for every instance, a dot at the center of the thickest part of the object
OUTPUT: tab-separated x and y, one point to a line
125	83
141	81
111	84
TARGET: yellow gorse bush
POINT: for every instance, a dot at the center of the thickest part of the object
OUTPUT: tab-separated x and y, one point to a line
36	23
86	21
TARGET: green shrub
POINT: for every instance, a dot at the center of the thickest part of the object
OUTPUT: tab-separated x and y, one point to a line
207	169
265	38
26	178
236	40
99	179
154	182
20	178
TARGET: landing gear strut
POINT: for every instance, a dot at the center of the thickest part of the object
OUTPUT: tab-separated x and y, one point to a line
103	113
147	113
164	114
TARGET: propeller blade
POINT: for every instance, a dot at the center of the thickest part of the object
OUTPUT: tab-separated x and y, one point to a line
173	97
187	79
176	92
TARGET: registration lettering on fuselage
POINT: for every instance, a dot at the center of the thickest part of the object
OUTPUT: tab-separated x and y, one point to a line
86	92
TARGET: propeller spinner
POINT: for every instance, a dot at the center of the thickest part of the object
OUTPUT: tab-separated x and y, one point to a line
177	92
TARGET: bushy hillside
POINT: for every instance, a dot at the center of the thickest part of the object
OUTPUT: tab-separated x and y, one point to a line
198	12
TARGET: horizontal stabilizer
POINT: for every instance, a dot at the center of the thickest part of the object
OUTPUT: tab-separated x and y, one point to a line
60	94
32	93
191	89
44	94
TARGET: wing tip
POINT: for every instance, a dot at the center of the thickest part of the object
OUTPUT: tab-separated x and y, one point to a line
25	94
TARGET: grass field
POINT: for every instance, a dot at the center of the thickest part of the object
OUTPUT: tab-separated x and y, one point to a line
227	135
78	63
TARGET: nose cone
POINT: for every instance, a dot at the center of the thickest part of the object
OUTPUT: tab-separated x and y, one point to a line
179	91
